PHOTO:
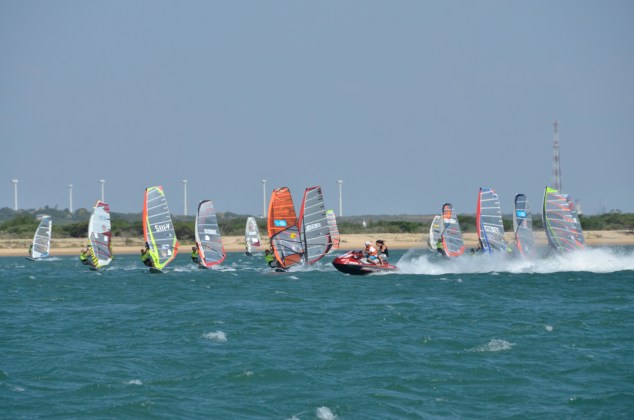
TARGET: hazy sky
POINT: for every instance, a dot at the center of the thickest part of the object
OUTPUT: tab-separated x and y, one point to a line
410	103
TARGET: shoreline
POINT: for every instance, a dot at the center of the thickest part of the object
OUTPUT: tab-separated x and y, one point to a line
122	246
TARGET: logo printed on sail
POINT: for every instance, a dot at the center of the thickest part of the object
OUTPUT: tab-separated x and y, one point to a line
313	226
280	223
162	228
210	231
492	229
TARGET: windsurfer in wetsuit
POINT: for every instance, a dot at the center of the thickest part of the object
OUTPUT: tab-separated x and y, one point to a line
440	248
145	257
84	254
269	258
195	254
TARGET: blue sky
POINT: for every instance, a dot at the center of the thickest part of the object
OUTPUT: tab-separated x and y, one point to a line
410	103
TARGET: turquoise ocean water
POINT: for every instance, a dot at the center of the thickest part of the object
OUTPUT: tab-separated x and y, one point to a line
471	338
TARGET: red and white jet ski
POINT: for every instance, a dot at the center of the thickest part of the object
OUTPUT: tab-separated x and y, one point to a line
353	262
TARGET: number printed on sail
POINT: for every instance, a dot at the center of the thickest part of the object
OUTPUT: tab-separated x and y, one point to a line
492	229
162	228
313	226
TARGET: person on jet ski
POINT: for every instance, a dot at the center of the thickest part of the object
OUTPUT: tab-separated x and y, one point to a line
384	253
371	254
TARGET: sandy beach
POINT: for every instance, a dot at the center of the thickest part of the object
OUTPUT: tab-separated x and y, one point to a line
72	246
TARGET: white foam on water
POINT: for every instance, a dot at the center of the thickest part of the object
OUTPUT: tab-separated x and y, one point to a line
134	382
218	336
293	277
324	413
549	328
596	260
494	345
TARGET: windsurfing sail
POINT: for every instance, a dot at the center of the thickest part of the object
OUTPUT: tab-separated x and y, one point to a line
252	235
283	230
560	223
100	234
434	232
42	239
489	222
523	227
575	217
211	251
334	230
450	234
313	224
158	229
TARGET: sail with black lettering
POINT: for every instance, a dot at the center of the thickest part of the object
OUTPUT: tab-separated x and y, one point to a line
211	251
523	227
313	225
450	234
434	232
252	235
489	222
158	229
100	235
41	246
283	230
560	223
334	230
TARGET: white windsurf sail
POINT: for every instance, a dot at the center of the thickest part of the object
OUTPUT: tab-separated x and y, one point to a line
313	225
489	222
560	223
434	232
100	234
451	234
211	251
158	229
42	239
334	230
252	235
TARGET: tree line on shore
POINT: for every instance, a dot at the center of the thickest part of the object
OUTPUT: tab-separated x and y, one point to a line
22	224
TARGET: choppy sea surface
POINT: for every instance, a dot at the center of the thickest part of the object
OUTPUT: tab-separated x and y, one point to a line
470	338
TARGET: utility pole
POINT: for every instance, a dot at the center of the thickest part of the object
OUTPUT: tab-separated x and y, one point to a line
15	194
264	198
103	183
340	182
70	197
185	197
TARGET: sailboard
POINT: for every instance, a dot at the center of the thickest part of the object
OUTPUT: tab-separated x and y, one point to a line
523	227
334	230
41	245
100	235
252	236
451	234
434	232
313	224
489	222
283	230
158	229
562	226
211	251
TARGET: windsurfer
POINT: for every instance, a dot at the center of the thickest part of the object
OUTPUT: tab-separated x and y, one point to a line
440	248
195	254
145	257
84	254
269	258
31	250
371	254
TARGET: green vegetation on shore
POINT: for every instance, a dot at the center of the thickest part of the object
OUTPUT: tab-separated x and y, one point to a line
22	224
